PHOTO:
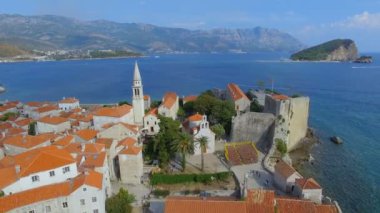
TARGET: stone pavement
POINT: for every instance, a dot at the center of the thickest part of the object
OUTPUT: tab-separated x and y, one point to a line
139	190
212	163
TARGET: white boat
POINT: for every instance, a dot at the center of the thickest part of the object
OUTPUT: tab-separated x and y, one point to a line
2	88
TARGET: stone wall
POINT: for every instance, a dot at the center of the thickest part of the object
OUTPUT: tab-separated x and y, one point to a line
253	126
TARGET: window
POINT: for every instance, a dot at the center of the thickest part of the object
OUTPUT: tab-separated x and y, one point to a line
96	211
82	202
66	169
64	204
93	199
84	189
31	211
48	209
35	178
52	173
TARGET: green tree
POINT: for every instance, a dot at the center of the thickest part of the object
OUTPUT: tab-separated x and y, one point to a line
184	145
188	107
281	146
256	107
181	114
120	203
121	103
8	115
155	104
203	141
32	128
219	131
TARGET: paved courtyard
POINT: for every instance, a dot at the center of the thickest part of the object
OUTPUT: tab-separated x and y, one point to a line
139	190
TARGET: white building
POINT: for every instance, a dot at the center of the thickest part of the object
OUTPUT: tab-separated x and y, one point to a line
241	101
36	168
17	144
169	106
138	97
68	104
53	124
285	176
130	161
119	131
108	115
198	126
151	122
308	189
83	193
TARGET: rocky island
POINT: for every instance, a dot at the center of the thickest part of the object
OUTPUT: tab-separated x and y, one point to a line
334	50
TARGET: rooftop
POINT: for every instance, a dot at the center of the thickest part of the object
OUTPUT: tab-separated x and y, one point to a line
53	120
68	101
169	99
28	141
87	134
284	169
235	92
117	112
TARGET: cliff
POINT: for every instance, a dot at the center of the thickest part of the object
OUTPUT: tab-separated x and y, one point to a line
335	50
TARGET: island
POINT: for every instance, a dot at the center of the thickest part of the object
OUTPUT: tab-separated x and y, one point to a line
364	60
334	50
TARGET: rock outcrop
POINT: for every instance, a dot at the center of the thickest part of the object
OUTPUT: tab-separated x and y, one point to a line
335	50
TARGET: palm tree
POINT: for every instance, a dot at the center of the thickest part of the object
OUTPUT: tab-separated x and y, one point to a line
184	145
203	141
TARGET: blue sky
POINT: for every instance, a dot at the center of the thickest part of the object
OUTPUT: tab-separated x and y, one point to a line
309	21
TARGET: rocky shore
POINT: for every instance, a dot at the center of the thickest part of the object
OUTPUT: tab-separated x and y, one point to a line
302	154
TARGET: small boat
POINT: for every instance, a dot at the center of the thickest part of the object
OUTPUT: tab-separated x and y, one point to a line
2	88
336	139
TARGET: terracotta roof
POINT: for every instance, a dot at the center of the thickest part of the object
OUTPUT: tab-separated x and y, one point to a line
6	107
206	205
280	97
34	104
16	200
169	99
87	134
195	117
153	112
117	112
68	101
94	148
298	206
53	120
326	209
284	169
146	97
190	98
74	147
94	160
24	122
46	109
86	118
309	183
37	160
107	142
15	131
8	176
5	125
131	127
127	142
235	92
28	141
64	141
260	201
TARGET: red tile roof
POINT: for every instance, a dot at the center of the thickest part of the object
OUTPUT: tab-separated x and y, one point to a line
23	122
117	112
199	205
146	97
190	98
64	141
46	109
284	169
53	120
235	92
280	97
309	183
68	101
195	117
153	112
169	99
28	141
107	142
87	134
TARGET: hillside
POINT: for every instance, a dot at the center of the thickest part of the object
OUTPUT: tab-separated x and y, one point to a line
7	51
335	50
56	32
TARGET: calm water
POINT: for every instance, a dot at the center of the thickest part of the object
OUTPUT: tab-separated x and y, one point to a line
345	101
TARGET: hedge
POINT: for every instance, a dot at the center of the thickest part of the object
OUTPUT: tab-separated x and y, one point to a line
188	178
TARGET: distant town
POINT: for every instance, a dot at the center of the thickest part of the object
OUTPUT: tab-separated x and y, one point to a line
224	150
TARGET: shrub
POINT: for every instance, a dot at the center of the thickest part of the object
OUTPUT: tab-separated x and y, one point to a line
281	146
161	193
188	178
120	202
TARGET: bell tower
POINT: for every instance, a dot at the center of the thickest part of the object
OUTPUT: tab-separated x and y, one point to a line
138	97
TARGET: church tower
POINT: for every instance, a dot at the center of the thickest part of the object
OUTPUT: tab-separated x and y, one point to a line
138	97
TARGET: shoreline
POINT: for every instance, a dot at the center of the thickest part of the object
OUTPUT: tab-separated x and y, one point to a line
302	154
68	59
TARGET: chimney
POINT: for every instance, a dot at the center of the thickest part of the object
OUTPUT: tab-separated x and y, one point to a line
17	168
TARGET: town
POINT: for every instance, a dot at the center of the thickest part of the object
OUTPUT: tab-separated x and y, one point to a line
223	150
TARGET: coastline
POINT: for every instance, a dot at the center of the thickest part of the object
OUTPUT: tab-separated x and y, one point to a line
302	154
68	59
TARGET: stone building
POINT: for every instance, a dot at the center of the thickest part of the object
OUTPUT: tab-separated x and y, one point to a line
138	98
151	122
292	116
285	177
130	161
68	104
241	101
52	124
198	126
169	106
308	189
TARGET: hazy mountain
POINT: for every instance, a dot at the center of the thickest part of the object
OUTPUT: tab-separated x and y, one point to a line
55	32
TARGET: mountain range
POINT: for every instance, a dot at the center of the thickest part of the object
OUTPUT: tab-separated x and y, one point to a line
48	32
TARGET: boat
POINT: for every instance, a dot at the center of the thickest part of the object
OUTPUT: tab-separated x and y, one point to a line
2	88
336	139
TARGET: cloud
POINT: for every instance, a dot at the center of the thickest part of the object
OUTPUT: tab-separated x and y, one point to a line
364	20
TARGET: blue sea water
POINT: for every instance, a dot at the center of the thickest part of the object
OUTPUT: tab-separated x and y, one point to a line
345	101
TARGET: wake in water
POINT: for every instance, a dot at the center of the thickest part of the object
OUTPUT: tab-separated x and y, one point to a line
368	67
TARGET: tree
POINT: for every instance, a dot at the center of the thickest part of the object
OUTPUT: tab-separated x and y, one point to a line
121	103
181	114
203	141
32	128
281	146
219	131
256	107
120	203
184	145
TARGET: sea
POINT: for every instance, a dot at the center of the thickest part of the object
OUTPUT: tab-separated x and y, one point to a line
345	101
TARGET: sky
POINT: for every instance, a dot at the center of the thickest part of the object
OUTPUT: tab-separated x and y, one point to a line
311	22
